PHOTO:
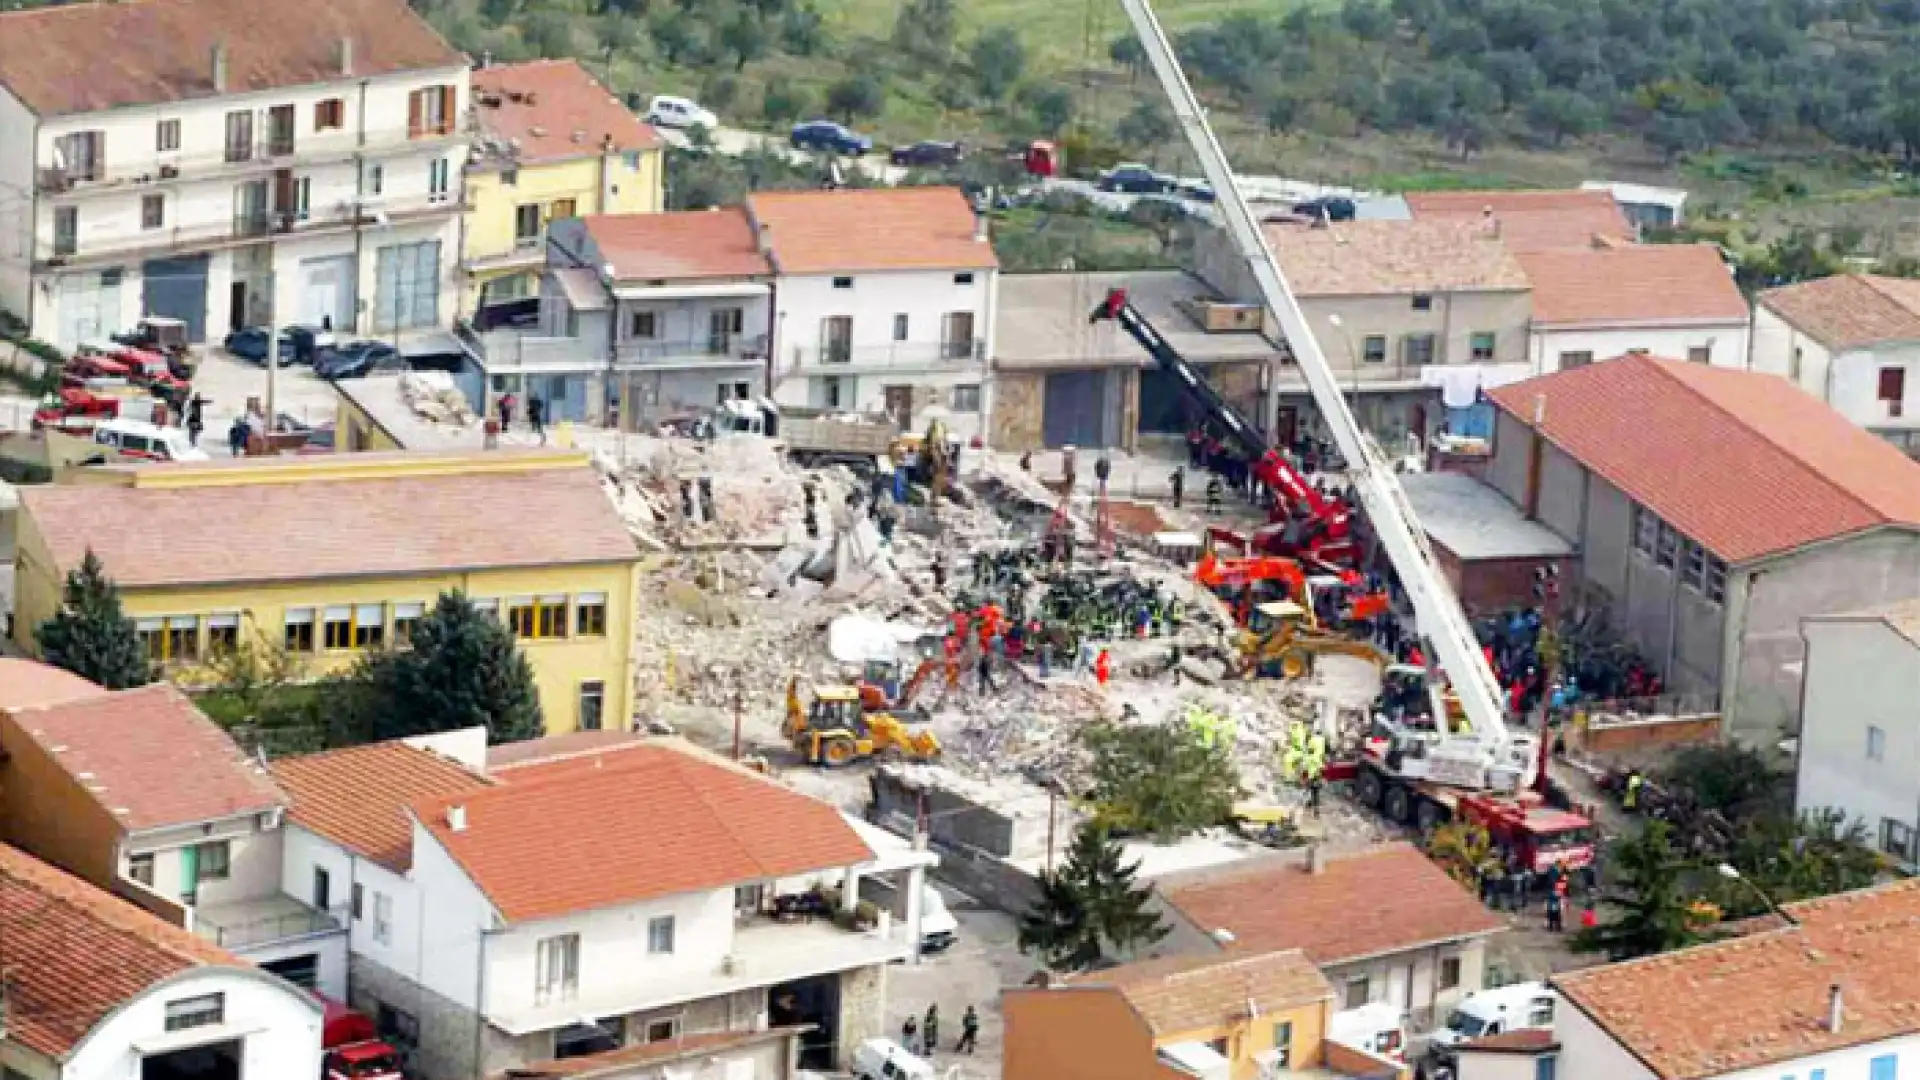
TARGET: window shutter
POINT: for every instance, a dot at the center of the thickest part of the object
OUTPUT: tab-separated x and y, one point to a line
416	105
446	110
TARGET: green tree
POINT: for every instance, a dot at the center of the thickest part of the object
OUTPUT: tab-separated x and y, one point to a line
1368	20
462	670
1735	781
745	37
1160	779
1655	914
90	635
1126	51
926	30
783	102
1786	858
1089	909
856	96
1146	126
1049	104
803	32
720	91
999	58
252	682
1561	115
674	35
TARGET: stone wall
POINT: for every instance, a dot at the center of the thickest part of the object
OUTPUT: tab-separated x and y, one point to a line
448	1032
1019	400
863	1010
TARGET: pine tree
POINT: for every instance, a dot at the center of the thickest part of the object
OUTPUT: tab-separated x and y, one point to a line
1089	909
1656	914
90	635
462	670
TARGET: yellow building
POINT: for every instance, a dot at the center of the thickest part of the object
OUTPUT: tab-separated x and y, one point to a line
330	556
552	144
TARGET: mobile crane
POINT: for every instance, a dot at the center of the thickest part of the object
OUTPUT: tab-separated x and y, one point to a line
1413	762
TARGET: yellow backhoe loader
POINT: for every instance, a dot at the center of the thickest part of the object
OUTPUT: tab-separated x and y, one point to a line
1282	640
834	730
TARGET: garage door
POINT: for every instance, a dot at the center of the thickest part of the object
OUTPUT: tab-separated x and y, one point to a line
1164	408
89	307
1076	410
407	290
177	289
326	292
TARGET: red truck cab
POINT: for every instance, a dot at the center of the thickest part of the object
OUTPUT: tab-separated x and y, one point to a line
354	1050
1540	835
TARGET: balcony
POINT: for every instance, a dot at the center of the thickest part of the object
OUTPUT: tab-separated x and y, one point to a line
252	924
719	350
840	358
240	159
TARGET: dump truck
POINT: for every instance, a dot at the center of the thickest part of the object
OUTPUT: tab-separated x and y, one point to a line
809	436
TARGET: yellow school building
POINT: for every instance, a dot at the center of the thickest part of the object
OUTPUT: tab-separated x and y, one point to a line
550	143
330	556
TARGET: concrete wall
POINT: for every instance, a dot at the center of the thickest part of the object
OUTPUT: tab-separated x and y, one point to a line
1780	349
16	208
1452	318
1500	1065
1410	979
1860	674
1507	469
451	942
1854	388
43	811
1726	343
615	960
253	859
449	1033
1588	1052
1562	499
863	1010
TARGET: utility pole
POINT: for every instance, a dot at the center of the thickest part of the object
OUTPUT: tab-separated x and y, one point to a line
736	723
273	350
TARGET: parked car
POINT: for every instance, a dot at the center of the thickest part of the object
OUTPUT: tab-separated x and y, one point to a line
1136	179
1197	190
665	110
1332	207
298	344
356	359
829	136
928	152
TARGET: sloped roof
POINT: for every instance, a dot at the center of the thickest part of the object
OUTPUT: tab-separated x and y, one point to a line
1376	902
1638	284
619	826
78	58
680	245
150	758
1746	465
1375	258
1532	220
1850	310
552	110
1182	993
855	229
358	797
1763	999
74	953
25	683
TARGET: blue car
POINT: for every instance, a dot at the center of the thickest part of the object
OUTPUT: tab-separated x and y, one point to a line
829	136
297	344
357	359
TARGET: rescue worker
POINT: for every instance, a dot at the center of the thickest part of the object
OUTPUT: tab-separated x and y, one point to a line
939	566
930	1029
969	1032
1046	658
1103	667
1214	491
1630	802
1316	763
1296	755
1178	482
1102	469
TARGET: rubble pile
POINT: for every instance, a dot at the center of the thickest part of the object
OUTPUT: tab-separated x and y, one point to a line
433	396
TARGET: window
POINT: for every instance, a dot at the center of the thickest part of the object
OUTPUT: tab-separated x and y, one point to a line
520	616
376	178
183	638
66	229
1283	1043
405	618
1876	743
438	183
166	136
83	154
1358	992
280	131
593	704
830	392
215	861
556	969
223	633
322	888
843	283
1667	547
240	135
357	900
369	626
1449	972
337	628
590	614
561	208
383	918
1884	1067
552	621
900	327
1373	348
153	638
1546	1067
1422	302
632	161
1716	589
250	208
488	607
1417	348
153	211
299	636
1693	567
329	115
301	207
963	278
1896	838
196	1012
956	336
430	112
643	324
1699	354
1570	360
660	934
663	1029
1893	390
140	869
966	398
1480	346
526	223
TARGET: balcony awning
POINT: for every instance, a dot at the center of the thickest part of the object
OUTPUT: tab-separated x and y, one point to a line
691	291
582	288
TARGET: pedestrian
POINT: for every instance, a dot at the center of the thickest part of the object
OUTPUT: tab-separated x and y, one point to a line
1314	783
1026	463
237	436
985	666
930	1030
507	402
196	418
1103	667
1630	802
1214	489
1046	657
910	1035
537	418
1521	882
969	1032
1554	920
888	517
1102	469
939	571
710	513
1589	918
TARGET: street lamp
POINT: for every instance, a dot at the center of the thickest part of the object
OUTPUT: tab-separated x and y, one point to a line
1732	873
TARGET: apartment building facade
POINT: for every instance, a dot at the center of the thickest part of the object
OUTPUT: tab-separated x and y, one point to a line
1672	300
1853	341
245	161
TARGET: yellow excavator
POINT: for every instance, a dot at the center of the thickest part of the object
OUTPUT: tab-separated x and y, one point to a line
1282	639
834	730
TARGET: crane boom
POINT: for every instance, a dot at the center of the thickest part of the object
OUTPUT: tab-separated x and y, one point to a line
1437	611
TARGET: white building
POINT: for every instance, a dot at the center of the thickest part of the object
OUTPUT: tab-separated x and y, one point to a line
1859	746
1648	207
1853	341
99	990
1821	995
1672	300
884	301
233	160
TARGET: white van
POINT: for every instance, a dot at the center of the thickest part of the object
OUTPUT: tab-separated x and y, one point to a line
938	928
140	439
1376	1027
1519	1007
678	112
884	1059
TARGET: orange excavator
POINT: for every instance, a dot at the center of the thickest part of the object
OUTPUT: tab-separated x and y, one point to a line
1249	581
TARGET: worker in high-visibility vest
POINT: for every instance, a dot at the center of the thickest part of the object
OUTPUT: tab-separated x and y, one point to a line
1316	760
1296	754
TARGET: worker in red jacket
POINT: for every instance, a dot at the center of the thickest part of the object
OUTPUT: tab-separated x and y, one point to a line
1103	667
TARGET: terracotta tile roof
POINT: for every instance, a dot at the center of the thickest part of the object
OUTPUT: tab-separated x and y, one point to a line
150	758
1375	902
1762	1000
1850	310
845	231
679	245
1523	1041
1639	284
1532	220
552	110
1182	993
618	827
1373	258
519	755
162	50
1768	468
619	1062
29	682
362	527
74	953
359	797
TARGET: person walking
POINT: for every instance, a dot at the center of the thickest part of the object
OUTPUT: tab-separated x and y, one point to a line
537	418
196	418
930	1030
910	1035
1214	490
969	1032
1555	922
1178	482
1103	668
939	571
985	667
507	402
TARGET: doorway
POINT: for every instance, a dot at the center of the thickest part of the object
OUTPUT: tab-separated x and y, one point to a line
237	306
215	1061
814	1001
1286	425
899	405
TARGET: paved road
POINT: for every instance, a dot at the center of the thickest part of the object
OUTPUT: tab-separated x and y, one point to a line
734	142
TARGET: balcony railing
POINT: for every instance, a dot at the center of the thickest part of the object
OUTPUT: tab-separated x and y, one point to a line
706	347
252	156
259	922
241	227
897	354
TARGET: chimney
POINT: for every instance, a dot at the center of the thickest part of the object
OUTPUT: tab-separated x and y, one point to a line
980	227
457	818
220	67
1316	860
766	238
1836	1010
486	58
346	55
